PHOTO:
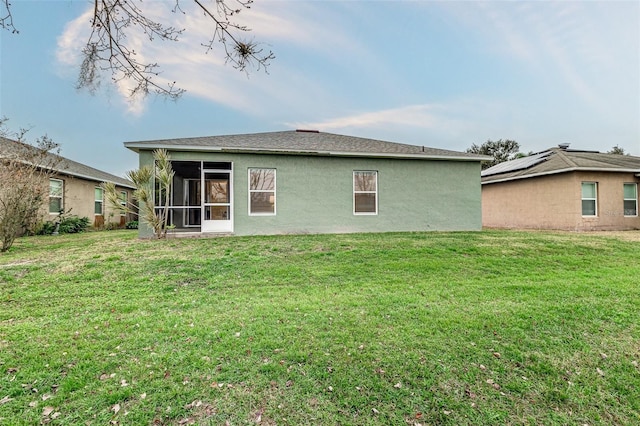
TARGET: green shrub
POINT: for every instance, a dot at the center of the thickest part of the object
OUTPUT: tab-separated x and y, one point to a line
73	225
46	228
132	224
68	225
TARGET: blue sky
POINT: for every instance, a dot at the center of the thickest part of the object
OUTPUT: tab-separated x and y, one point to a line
441	74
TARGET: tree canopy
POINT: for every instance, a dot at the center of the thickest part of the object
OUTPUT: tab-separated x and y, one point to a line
114	22
501	150
617	150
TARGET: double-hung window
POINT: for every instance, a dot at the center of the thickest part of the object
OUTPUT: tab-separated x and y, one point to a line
123	203
631	199
365	192
99	201
56	192
262	192
589	199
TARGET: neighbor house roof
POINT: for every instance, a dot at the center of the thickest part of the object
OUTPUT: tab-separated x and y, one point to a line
12	148
304	142
559	160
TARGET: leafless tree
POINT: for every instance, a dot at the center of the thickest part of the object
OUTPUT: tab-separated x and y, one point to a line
114	21
25	170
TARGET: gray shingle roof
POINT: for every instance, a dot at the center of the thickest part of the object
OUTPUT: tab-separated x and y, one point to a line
303	143
560	160
11	148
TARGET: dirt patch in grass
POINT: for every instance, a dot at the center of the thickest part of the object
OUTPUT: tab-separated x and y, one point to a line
620	235
22	263
631	235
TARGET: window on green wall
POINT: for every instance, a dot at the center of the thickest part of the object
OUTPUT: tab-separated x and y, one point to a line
99	201
589	199
365	192
631	199
56	191
262	192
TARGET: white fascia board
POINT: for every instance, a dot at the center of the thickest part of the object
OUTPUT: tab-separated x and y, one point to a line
411	156
92	178
137	147
554	172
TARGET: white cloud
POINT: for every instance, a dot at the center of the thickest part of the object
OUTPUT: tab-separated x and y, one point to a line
446	125
206	75
588	45
420	116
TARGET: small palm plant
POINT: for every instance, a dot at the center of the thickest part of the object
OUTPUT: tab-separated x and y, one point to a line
146	179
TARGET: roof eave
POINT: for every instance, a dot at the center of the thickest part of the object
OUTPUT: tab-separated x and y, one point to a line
81	176
196	148
93	178
571	169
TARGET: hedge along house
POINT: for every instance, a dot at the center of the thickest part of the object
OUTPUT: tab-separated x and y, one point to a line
76	188
312	182
564	189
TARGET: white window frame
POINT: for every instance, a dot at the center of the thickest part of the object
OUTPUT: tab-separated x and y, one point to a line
353	178
101	201
635	187
124	198
61	196
595	200
252	191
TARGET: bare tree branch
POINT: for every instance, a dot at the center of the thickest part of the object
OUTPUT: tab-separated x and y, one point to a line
114	22
25	170
6	18
240	53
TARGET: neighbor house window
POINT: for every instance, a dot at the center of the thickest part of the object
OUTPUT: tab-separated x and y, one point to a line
56	191
589	199
365	192
631	199
99	201
123	203
262	191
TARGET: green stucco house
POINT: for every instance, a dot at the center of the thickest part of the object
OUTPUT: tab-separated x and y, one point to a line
304	181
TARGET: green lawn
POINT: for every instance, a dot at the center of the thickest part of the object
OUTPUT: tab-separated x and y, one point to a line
490	328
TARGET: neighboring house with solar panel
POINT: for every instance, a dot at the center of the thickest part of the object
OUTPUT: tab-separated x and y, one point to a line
562	188
76	189
313	182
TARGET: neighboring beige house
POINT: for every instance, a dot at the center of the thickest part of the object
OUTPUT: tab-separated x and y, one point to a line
76	189
565	189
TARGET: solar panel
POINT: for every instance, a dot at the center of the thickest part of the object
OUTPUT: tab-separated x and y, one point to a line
517	164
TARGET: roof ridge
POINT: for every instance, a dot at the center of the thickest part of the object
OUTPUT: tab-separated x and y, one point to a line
564	157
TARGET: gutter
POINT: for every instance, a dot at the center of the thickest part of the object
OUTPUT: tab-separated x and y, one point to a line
94	179
554	172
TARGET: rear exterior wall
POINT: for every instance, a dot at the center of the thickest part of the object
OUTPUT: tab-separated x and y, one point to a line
314	194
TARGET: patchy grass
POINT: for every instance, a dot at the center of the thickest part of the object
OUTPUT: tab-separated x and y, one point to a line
411	328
